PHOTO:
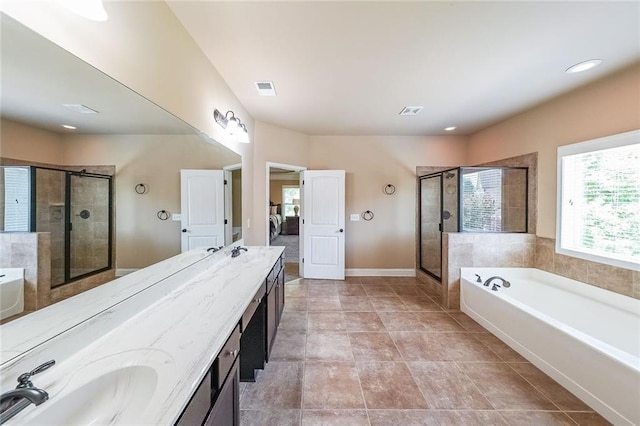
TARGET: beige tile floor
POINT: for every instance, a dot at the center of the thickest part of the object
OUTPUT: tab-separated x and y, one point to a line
381	351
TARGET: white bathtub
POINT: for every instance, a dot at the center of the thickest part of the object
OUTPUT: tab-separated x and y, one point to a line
585	337
11	292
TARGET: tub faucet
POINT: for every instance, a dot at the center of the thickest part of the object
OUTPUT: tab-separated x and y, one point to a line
505	283
16	400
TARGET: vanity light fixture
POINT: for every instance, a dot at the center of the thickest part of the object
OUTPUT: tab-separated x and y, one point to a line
232	125
450	128
583	66
90	9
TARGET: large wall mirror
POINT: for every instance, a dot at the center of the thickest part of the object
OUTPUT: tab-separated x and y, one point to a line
140	147
145	144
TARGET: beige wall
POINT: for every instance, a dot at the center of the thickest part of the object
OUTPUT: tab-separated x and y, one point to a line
371	162
20	141
276	145
604	108
276	189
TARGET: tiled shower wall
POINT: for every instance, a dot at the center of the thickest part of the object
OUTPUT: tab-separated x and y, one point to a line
50	218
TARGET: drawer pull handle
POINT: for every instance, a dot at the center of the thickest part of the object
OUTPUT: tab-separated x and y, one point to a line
232	353
258	300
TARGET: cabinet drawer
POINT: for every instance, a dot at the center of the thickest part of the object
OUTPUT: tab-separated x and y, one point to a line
224	361
251	309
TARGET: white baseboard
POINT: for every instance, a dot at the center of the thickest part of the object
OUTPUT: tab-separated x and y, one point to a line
380	272
120	272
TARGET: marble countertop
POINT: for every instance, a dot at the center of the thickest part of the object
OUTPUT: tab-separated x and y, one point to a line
174	328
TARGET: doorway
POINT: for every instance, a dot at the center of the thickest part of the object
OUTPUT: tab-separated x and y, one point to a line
283	216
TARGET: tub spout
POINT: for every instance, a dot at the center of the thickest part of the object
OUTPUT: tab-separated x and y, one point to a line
505	283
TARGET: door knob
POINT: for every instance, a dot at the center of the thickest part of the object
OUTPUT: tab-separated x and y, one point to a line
184	230
341	230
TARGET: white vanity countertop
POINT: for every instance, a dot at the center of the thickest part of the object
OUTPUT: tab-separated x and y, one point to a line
28	331
178	337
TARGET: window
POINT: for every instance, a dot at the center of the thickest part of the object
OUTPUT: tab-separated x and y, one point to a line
290	199
599	200
16	199
482	200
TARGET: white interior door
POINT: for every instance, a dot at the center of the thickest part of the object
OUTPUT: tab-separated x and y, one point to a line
202	204
323	220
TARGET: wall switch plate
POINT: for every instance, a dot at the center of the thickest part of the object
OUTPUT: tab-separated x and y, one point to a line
176	217
355	217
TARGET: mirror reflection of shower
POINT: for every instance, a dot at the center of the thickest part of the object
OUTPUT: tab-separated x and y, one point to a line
73	207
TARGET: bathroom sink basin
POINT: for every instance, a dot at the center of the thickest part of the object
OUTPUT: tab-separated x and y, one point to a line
118	396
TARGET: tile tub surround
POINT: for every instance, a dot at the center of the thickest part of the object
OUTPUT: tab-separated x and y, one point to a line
483	250
178	334
425	365
30	251
612	278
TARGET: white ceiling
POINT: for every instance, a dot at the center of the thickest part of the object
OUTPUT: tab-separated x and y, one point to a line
38	77
350	67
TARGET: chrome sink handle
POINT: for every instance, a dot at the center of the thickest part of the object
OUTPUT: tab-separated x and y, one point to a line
478	280
24	379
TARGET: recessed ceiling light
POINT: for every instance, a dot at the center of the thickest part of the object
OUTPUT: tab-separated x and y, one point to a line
583	66
66	126
450	128
411	110
265	88
83	109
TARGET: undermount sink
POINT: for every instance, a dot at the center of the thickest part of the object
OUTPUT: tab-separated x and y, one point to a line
118	396
120	388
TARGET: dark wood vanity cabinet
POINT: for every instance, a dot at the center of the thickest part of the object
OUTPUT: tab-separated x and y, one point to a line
275	303
216	401
226	409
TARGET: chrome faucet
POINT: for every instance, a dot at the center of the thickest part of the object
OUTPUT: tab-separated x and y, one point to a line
16	400
505	283
235	252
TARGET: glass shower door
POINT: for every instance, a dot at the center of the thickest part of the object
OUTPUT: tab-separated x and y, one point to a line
431	225
89	248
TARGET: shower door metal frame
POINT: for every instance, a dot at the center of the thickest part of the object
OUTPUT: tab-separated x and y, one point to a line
68	225
440	227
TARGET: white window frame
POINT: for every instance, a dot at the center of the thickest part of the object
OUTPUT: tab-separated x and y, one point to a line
297	186
614	141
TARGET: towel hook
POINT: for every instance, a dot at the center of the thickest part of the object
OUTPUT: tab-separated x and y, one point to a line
141	188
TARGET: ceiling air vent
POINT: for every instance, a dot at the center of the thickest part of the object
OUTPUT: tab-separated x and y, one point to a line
83	109
411	110
265	88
